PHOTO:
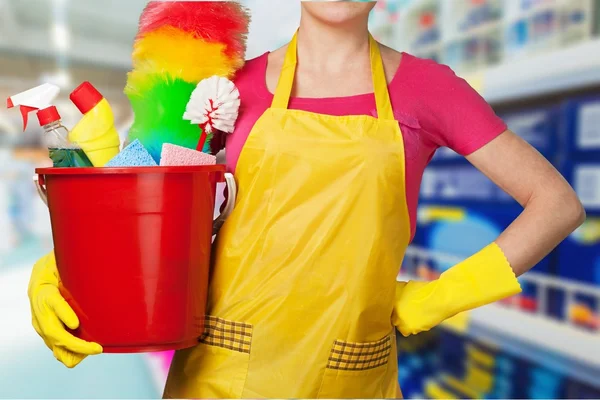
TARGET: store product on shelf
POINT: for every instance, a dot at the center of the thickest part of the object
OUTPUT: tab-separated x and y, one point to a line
427	28
579	260
95	133
583	173
417	362
580	128
471	368
62	152
475	34
577	20
517	36
544	29
585	312
478	12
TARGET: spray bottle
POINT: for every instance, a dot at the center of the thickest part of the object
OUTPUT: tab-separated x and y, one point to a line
61	151
95	133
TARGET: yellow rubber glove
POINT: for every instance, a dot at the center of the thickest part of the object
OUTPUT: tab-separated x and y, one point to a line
481	279
50	313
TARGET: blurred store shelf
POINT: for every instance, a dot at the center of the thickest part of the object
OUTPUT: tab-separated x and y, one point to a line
92	51
83	31
562	346
573	67
566	349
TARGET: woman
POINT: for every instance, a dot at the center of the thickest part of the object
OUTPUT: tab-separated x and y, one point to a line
303	298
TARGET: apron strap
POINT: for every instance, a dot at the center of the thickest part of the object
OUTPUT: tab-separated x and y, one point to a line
380	87
288	73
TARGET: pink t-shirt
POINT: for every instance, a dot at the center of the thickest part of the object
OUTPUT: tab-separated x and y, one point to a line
433	106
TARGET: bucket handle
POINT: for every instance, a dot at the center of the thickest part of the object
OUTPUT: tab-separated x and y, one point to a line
231	196
40	186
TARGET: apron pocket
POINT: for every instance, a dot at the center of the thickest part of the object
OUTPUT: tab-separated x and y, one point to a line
234	336
218	366
356	370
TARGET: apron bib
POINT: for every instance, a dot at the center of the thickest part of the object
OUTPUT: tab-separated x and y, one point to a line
302	289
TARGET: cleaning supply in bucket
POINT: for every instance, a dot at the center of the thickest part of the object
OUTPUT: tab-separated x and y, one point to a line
95	133
214	105
172	37
173	155
62	152
134	155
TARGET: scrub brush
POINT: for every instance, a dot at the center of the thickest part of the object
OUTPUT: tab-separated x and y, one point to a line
214	106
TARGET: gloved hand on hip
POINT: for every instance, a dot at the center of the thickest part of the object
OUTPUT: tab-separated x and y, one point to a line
481	279
51	313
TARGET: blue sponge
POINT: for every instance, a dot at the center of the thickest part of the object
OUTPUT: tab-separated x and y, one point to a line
134	155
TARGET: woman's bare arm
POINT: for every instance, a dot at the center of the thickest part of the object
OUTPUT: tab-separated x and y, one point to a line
552	209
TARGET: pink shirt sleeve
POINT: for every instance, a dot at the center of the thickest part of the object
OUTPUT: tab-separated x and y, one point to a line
251	108
450	111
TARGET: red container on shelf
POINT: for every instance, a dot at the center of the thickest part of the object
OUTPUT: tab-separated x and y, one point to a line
133	249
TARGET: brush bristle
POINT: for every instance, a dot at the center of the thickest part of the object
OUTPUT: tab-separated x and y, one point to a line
158	109
224	22
178	54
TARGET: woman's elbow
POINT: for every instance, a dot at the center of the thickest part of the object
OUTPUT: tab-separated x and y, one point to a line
572	211
581	216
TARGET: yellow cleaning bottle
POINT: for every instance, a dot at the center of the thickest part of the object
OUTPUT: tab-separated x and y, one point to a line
95	133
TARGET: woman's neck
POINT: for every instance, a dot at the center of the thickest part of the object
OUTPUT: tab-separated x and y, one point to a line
326	47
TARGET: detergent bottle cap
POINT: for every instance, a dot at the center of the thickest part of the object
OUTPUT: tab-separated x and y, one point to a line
48	115
86	97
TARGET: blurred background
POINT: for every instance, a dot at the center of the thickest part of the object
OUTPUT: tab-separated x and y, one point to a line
536	61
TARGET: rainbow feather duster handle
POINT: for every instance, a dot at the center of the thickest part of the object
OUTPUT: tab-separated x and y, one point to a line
179	45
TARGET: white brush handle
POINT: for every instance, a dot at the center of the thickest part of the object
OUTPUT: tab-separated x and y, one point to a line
231	196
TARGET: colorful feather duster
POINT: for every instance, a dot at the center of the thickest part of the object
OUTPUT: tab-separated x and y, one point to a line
180	44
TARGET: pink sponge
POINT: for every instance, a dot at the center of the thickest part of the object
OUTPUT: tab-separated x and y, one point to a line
173	155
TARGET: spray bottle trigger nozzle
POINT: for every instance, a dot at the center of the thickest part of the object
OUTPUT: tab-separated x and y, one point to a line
25	110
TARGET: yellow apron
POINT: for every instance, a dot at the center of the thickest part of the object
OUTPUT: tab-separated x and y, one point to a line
302	290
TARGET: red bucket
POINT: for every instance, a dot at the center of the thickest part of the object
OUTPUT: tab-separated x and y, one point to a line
133	248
